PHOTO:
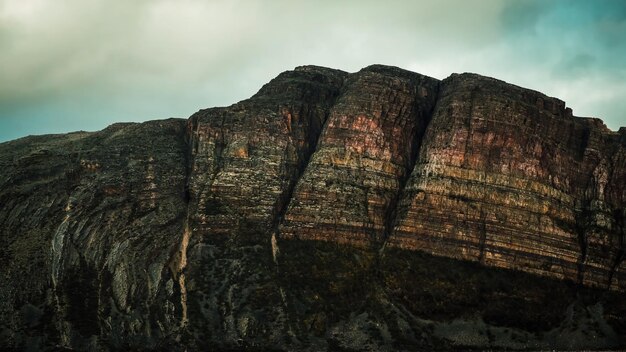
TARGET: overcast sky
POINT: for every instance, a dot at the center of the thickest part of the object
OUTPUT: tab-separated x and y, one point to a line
69	65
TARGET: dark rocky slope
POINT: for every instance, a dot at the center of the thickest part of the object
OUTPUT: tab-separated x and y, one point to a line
378	210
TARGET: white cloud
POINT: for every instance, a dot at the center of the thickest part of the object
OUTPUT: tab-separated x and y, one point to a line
138	60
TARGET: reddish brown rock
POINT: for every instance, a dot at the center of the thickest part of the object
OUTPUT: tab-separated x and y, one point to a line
363	157
507	178
245	160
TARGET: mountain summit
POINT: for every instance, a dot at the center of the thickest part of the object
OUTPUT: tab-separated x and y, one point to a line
376	210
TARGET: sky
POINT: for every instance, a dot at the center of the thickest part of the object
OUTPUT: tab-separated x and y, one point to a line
68	65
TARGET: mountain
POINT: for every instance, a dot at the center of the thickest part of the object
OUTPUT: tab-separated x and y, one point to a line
376	210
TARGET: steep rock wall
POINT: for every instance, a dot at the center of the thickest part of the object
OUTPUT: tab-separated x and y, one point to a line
364	155
506	176
245	161
307	217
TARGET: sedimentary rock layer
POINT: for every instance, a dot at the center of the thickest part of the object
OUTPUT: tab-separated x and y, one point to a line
245	160
506	176
364	155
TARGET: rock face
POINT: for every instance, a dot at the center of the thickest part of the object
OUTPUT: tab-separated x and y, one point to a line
508	178
363	158
378	210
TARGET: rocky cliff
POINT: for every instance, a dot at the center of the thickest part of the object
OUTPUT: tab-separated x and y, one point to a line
377	210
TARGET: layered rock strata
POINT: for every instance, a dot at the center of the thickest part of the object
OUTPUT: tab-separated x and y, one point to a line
245	161
507	177
364	155
381	209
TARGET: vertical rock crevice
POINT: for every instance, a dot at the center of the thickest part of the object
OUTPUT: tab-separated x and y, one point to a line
312	137
621	252
581	231
218	154
303	163
178	261
392	212
58	249
482	240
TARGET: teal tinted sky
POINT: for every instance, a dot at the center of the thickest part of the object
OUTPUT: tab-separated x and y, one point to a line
70	65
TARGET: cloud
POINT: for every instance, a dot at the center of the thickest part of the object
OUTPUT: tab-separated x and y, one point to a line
575	49
83	64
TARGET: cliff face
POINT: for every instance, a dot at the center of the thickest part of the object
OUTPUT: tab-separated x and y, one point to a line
509	178
381	209
363	158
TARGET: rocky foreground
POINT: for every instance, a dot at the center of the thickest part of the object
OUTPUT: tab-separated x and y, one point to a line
377	210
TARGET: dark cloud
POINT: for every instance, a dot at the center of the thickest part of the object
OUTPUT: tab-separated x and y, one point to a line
82	64
522	16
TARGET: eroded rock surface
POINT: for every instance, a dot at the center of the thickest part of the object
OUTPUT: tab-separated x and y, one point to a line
364	155
508	177
376	210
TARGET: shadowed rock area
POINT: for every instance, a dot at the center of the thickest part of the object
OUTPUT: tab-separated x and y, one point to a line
376	210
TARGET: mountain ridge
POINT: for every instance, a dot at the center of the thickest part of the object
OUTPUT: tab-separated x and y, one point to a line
193	232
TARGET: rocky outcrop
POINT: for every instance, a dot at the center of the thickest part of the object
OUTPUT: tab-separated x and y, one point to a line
509	178
245	161
89	222
363	158
377	210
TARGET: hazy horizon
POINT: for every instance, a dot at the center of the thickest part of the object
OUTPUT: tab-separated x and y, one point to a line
81	65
